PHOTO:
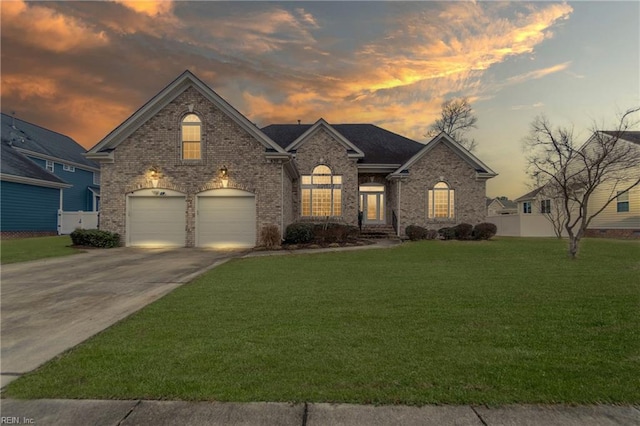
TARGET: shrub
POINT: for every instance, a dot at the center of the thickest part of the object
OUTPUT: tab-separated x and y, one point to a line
463	231
95	238
333	232
299	233
484	231
415	232
270	236
447	233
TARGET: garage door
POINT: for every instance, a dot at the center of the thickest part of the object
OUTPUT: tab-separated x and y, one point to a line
156	221
226	218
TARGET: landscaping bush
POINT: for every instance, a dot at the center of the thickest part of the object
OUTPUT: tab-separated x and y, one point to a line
95	238
463	231
270	236
299	233
447	233
415	232
334	232
484	231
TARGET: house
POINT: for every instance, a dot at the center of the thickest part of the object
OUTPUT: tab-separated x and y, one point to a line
501	205
188	169
620	218
43	174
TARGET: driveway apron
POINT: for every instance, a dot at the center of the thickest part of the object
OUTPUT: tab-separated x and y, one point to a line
51	305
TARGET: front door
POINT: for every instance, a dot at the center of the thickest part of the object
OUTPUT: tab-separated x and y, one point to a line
372	204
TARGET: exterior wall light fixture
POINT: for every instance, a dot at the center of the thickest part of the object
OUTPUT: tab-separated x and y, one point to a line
224	176
154	175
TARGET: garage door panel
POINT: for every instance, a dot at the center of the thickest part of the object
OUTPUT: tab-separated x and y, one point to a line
157	221
226	221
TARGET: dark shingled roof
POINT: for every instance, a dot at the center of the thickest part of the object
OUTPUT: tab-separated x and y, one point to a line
628	136
380	146
15	164
40	140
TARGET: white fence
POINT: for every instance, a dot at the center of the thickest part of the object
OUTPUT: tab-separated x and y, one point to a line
70	221
521	225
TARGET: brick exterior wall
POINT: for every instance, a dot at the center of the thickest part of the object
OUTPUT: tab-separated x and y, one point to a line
322	148
441	164
14	235
158	143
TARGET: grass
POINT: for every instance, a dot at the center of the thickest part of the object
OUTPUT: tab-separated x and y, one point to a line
504	321
24	249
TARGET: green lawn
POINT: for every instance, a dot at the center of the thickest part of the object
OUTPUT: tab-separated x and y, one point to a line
503	321
23	249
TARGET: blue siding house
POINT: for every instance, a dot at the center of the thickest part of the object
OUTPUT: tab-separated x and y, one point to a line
42	173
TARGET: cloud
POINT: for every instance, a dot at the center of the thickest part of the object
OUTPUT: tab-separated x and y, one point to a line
149	8
536	74
38	25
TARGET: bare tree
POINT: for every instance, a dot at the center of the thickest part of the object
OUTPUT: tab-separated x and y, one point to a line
605	162
456	119
552	208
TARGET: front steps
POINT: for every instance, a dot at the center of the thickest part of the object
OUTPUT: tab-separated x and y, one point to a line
378	232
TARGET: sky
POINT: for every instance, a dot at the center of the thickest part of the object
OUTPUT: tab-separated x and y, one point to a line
82	68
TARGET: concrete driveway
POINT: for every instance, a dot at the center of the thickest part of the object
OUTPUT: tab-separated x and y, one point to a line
51	305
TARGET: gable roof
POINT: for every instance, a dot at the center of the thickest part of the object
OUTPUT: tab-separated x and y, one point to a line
378	145
631	136
103	149
16	167
29	138
482	170
352	150
529	195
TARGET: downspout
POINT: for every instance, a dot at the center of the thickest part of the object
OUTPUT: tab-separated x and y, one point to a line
60	215
398	215
282	201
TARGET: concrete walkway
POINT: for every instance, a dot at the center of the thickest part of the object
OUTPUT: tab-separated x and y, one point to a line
159	413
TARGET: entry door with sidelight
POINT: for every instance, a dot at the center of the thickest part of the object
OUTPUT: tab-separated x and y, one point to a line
372	203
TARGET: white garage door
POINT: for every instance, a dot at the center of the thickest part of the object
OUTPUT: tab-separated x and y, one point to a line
156	221
226	219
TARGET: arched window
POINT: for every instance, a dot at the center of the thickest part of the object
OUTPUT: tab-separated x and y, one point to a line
441	202
321	193
191	137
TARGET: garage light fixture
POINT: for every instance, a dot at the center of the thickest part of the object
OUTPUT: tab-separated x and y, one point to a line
154	175
224	176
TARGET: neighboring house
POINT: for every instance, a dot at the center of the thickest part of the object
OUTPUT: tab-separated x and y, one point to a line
35	162
621	218
187	169
501	205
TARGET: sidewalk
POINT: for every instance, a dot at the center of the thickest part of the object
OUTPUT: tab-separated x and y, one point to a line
158	413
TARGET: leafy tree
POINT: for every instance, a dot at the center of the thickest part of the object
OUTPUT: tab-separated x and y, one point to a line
456	119
573	173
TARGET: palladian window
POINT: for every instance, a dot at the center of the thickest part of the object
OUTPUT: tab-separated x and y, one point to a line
191	137
321	193
441	202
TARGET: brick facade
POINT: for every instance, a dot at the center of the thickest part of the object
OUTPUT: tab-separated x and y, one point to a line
158	143
441	164
258	166
322	148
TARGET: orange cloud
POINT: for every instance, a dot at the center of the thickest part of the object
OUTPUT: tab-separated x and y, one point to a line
47	29
149	8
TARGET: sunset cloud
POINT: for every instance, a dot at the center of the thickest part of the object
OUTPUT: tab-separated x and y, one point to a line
149	8
44	28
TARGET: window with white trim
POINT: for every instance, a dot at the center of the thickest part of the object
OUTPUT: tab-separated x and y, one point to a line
545	206
321	193
96	178
49	166
526	207
441	202
191	133
68	168
622	202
